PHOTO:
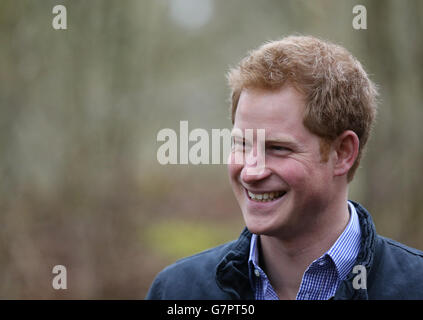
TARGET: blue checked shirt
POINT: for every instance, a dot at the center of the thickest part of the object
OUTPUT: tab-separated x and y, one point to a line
322	277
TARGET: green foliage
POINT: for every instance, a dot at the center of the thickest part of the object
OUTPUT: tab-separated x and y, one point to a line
176	239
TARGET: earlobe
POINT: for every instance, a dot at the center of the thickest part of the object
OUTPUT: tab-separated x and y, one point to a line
346	148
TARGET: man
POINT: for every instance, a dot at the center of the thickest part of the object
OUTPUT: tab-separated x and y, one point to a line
303	238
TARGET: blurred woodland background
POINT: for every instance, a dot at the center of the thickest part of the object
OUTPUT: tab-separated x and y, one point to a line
80	110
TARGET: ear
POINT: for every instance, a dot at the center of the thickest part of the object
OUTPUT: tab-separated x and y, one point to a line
346	150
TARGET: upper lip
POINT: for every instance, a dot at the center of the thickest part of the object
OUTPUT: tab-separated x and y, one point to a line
263	191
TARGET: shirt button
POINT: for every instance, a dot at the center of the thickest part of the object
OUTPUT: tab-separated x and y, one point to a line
306	296
257	273
322	263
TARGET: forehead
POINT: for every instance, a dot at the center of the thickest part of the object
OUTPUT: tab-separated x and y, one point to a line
277	111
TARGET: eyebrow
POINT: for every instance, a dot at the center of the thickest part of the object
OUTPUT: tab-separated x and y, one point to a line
282	139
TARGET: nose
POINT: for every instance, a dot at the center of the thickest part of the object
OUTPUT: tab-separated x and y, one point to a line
254	168
254	175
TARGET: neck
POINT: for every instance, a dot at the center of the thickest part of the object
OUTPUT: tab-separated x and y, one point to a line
286	259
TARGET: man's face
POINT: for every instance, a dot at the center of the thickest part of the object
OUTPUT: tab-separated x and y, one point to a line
286	197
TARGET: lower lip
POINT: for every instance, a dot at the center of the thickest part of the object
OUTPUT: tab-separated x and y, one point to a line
260	205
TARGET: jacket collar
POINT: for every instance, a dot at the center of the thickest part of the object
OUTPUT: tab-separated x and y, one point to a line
365	257
232	271
232	274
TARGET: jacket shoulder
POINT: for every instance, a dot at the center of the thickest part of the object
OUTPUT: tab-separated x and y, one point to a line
398	271
192	277
402	247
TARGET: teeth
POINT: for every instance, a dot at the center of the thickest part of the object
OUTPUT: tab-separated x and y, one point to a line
265	197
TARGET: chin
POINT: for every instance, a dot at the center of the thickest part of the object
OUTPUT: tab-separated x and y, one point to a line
259	227
280	224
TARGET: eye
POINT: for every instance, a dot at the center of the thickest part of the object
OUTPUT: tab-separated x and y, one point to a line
279	149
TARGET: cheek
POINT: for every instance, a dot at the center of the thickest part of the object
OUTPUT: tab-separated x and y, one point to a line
234	171
293	173
309	181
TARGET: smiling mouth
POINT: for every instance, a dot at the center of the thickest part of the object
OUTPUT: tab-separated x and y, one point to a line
265	196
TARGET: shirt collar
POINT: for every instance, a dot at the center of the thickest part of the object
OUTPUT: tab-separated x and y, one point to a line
345	249
343	252
253	258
